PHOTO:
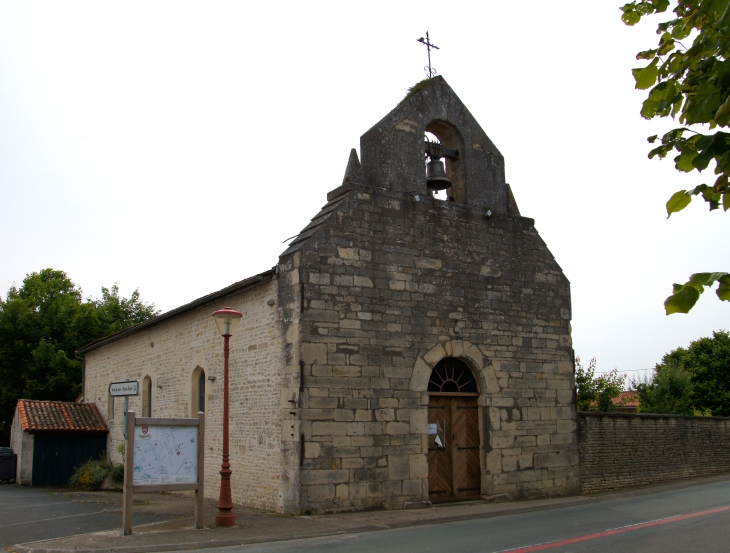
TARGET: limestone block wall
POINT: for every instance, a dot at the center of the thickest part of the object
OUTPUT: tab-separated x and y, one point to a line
390	286
22	445
170	352
621	450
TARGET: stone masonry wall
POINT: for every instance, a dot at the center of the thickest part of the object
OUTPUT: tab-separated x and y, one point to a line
171	351
621	450
391	285
22	445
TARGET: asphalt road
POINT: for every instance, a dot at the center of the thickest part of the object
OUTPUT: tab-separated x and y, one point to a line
685	520
31	514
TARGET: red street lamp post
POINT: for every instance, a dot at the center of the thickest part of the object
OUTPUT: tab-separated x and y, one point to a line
226	320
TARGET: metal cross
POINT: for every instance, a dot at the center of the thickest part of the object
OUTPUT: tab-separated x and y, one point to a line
430	71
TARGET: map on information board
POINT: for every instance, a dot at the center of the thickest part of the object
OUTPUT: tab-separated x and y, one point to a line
165	455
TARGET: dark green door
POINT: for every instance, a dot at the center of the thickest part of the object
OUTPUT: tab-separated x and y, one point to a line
57	454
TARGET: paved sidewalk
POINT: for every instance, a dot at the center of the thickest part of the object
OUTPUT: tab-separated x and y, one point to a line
254	527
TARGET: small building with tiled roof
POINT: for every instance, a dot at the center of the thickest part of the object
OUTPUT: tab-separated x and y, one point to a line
626	402
52	438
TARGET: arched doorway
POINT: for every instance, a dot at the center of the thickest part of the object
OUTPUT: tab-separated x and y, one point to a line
453	432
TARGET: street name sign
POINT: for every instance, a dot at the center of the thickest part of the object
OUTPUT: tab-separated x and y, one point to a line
121	389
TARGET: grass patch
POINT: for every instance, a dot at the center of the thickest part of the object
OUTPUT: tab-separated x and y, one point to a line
415	89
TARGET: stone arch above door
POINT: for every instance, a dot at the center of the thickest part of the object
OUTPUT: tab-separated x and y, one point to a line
461	349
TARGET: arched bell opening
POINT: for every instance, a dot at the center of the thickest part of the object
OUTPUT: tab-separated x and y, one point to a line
454	435
452	186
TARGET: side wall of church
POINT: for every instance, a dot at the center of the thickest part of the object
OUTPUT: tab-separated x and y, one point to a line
170	352
391	285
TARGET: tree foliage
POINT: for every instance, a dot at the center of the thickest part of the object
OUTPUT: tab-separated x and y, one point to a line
692	83
708	361
42	323
596	393
692	380
668	391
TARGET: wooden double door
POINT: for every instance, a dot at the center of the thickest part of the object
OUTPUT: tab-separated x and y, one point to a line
453	447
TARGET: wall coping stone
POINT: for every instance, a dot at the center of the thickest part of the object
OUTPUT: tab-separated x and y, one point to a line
645	415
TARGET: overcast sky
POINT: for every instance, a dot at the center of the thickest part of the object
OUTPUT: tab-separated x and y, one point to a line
173	147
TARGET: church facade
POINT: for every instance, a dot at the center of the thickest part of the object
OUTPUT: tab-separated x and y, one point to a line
404	350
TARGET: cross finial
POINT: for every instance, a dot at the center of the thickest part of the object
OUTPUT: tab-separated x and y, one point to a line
430	71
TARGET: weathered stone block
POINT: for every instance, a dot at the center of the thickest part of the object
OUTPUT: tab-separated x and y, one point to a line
418	466
397	428
308	477
398	467
329	429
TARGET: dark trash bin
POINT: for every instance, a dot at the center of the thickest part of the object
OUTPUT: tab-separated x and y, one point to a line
8	461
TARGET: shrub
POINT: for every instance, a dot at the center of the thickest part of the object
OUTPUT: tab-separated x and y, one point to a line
669	391
596	393
91	474
117	474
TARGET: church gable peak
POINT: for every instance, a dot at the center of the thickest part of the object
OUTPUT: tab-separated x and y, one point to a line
393	151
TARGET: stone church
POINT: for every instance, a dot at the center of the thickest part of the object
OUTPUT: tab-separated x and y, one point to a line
406	349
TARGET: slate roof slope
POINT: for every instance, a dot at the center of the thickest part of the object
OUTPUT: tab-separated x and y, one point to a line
316	221
353	175
38	416
178	311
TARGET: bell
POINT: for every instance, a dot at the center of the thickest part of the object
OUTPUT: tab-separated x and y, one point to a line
436	176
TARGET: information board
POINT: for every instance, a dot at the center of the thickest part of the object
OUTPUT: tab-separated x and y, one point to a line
165	455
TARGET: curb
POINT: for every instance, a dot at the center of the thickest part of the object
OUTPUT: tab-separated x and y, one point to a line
176	546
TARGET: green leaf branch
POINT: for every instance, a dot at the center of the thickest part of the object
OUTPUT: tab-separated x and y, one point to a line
693	85
686	295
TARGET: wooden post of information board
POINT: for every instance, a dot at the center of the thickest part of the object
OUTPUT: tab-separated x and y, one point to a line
200	492
128	476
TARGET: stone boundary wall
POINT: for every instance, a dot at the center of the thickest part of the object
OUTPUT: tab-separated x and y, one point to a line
621	450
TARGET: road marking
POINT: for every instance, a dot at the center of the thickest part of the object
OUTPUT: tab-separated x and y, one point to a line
613	531
36	505
52	518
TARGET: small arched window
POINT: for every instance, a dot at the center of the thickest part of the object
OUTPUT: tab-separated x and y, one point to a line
147	397
453	376
197	389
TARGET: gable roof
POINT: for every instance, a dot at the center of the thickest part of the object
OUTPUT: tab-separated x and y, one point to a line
234	288
60	415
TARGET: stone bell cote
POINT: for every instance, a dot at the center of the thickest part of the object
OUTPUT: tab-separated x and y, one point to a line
393	150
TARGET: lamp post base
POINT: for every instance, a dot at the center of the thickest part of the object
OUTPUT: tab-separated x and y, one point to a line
225	518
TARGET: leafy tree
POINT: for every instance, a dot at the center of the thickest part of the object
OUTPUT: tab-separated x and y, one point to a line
708	362
692	83
42	323
668	391
693	380
596	393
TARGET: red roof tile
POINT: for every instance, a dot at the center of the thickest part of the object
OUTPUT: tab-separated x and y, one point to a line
627	399
60	415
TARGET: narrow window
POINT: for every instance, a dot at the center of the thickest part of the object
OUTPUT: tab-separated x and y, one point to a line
147	397
201	391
